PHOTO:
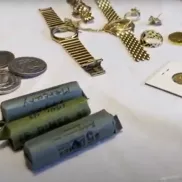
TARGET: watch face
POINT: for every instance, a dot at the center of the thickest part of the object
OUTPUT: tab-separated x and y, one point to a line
64	32
119	26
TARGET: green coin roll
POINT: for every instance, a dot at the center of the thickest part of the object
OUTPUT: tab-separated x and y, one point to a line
57	144
27	104
24	129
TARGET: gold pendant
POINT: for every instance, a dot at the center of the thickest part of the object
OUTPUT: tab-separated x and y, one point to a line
118	27
124	28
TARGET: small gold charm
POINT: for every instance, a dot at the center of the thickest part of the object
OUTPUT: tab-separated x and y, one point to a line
155	21
133	14
81	10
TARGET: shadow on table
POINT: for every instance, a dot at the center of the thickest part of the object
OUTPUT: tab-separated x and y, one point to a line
4	144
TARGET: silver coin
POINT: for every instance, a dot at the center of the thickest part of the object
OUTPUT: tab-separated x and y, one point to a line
5	58
8	82
27	67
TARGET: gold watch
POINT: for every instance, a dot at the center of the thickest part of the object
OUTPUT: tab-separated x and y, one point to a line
72	43
122	28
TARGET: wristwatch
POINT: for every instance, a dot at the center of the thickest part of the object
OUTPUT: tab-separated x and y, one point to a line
122	28
72	43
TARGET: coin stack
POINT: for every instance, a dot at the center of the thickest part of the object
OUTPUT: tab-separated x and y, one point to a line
60	113
22	67
33	114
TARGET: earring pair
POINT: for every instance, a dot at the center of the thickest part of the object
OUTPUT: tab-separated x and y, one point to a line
134	15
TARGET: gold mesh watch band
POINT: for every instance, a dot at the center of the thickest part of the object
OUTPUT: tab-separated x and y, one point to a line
129	40
51	18
73	45
107	10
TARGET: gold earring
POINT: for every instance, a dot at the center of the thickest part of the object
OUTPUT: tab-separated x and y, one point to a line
155	20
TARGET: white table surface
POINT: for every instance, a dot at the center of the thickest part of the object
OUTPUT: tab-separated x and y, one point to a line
150	147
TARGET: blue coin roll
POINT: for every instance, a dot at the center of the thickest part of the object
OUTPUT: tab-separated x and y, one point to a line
27	104
21	130
58	144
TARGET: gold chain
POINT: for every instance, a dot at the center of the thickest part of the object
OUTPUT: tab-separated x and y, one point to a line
91	29
97	30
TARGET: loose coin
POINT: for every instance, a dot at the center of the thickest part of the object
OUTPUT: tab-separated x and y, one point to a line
27	67
8	82
5	58
175	37
177	78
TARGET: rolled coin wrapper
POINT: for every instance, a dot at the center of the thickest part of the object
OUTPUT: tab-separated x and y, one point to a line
57	144
27	104
24	129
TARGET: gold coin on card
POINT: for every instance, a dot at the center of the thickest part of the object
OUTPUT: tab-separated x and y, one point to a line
175	37
177	78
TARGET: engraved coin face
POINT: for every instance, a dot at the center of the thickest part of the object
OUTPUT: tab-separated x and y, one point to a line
5	58
27	67
8	82
177	78
175	37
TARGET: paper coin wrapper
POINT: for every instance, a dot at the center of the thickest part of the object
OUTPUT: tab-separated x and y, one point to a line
21	130
57	144
168	78
27	104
